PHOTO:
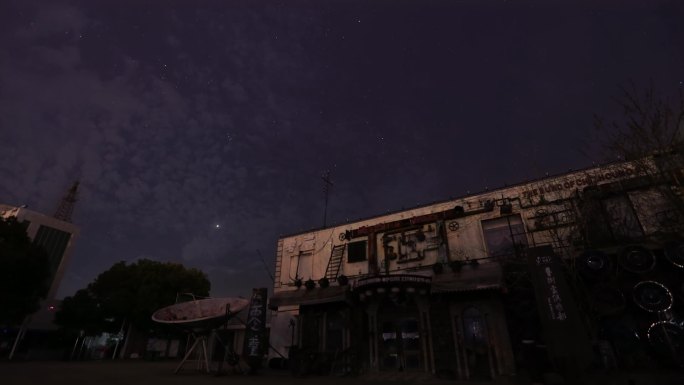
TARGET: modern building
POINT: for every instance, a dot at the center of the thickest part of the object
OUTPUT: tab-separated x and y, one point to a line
57	237
556	270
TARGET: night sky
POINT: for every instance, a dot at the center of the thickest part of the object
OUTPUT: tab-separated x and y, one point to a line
200	129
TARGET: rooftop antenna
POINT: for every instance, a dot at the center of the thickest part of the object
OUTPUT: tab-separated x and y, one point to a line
327	185
66	206
265	265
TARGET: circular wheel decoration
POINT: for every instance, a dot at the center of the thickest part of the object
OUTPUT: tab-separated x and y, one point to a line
674	252
594	264
667	338
453	226
342	237
652	296
595	260
637	259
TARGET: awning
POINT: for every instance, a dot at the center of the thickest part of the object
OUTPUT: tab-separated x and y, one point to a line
485	276
304	296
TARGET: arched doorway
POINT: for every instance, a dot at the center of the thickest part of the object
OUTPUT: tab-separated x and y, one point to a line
399	344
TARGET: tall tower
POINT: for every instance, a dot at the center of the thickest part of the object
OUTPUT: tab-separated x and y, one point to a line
66	206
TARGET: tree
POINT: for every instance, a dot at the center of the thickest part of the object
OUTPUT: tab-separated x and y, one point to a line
131	293
83	312
650	135
649	125
24	273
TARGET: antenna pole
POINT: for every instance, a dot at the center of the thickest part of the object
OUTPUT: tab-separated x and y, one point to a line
327	184
265	265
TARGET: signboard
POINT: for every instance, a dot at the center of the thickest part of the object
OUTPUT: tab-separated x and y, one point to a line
564	333
580	180
396	278
255	329
399	280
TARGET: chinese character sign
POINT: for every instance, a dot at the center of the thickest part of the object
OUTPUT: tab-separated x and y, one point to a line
563	330
255	328
544	264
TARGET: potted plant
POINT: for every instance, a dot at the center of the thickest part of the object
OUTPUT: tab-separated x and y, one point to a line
343	280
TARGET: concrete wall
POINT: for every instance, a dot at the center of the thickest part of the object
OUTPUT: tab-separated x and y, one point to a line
538	203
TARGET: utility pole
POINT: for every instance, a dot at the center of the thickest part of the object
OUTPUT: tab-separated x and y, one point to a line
327	185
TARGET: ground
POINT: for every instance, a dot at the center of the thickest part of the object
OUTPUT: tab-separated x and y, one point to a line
157	373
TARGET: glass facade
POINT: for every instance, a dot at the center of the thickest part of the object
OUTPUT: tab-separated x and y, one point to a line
54	242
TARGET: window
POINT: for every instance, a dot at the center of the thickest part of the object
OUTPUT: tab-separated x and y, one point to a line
621	218
611	218
503	235
356	251
54	242
473	328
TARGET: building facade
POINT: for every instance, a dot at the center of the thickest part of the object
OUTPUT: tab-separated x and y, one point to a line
57	237
550	272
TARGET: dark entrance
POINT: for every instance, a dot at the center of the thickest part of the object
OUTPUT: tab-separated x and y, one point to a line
476	344
399	336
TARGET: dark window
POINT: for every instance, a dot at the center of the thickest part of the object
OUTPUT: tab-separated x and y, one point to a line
54	242
503	236
621	218
609	219
473	327
356	251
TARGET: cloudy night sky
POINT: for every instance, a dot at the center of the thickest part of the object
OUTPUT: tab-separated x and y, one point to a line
200	129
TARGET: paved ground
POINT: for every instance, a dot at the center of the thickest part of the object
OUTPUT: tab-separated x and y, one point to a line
161	373
158	373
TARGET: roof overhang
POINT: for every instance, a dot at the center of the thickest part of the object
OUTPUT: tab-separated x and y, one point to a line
314	296
485	276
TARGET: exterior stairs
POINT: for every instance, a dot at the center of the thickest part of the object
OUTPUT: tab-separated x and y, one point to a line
335	262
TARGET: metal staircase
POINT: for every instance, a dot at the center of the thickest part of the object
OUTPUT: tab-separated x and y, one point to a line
335	262
279	260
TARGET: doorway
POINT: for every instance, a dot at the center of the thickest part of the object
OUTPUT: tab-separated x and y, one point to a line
400	344
476	346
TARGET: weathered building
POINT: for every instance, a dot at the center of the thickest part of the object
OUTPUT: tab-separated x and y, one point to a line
483	285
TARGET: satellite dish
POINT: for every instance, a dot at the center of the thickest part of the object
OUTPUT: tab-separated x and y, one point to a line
202	314
200	317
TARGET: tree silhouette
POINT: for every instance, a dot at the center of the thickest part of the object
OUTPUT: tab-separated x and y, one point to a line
130	292
24	273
